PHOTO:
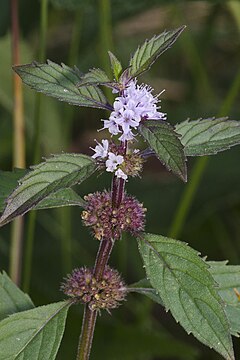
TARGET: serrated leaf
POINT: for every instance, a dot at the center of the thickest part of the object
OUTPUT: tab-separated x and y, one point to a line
150	50
115	65
63	197
162	138
60	81
94	77
208	136
33	334
228	279
187	289
12	299
8	182
58	172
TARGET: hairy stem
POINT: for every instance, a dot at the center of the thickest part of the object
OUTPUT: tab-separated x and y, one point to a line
18	145
104	251
88	327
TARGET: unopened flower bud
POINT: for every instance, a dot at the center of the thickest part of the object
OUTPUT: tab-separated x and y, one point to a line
108	222
107	293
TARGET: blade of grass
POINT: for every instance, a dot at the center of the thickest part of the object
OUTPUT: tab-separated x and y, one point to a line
106	40
198	169
65	214
18	146
29	244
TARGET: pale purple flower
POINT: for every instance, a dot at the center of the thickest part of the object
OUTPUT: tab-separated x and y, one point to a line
126	136
111	125
135	103
101	151
120	174
113	161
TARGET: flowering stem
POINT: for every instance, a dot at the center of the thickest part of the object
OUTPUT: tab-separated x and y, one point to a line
104	251
88	326
120	193
103	255
90	316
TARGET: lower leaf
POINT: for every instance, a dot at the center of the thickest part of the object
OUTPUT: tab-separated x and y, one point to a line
188	290
33	334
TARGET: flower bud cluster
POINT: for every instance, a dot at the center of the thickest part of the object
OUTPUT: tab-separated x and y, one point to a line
107	293
108	222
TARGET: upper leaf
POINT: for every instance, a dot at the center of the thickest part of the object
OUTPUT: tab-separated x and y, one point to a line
33	334
115	64
165	142
228	279
12	299
94	77
59	172
187	289
208	136
150	50
60	81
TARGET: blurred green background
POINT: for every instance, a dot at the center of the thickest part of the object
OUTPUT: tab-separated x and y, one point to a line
201	75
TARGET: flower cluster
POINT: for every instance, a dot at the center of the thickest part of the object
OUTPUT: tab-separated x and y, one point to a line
112	155
135	103
107	293
108	222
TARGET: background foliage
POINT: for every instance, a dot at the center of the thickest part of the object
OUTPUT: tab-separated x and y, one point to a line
201	76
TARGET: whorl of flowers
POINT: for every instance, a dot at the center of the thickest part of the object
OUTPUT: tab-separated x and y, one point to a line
108	222
82	287
135	103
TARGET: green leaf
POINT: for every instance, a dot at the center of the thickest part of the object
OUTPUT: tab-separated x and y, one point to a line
228	279
187	289
94	77
8	182
33	334
63	197
116	65
162	138
58	172
60	81
150	50
208	136
144	287
12	299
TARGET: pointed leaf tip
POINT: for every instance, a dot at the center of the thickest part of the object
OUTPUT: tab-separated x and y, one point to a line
162	138
60	81
208	136
150	50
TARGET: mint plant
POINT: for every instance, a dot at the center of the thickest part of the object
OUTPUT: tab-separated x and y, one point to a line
201	295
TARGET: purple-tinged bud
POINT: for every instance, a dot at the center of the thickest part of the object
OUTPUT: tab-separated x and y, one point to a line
108	222
107	293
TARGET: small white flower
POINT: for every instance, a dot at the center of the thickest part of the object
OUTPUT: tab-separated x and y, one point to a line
111	125
100	150
126	136
113	161
120	174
